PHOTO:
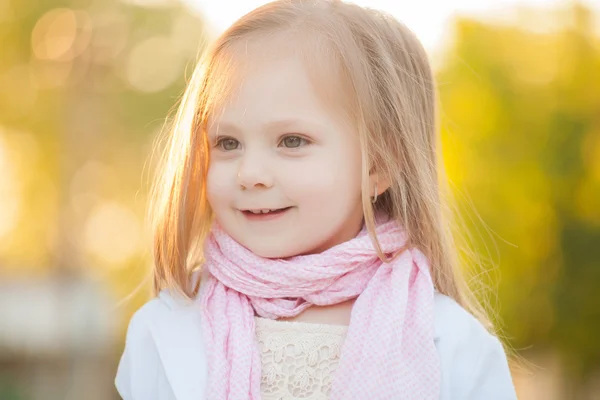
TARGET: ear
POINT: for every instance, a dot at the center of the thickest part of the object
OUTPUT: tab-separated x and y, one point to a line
378	182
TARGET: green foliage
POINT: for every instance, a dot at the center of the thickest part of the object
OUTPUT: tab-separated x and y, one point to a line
521	130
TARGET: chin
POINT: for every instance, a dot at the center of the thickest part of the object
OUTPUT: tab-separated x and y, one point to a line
273	252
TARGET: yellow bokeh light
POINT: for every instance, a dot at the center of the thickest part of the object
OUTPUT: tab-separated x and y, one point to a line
54	34
153	65
112	233
9	194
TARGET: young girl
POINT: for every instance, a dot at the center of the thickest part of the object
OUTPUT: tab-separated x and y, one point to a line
302	178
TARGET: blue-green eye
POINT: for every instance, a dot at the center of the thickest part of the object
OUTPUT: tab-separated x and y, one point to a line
292	142
228	144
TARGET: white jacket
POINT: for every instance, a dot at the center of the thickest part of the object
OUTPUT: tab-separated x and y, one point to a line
164	356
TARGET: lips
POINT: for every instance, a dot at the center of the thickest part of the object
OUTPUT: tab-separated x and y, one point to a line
263	210
264	213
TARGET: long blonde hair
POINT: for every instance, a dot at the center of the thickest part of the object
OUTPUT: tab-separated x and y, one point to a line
393	105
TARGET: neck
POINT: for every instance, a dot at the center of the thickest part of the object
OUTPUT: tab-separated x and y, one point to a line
335	314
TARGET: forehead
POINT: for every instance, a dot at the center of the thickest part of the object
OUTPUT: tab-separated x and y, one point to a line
268	75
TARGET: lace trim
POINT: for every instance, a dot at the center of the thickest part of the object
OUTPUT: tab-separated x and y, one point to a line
298	358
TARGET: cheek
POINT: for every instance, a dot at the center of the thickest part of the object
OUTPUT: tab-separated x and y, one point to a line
218	183
329	178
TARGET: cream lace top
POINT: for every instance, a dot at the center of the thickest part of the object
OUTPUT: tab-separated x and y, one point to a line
298	358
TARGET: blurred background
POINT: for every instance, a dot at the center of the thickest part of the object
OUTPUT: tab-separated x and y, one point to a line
85	86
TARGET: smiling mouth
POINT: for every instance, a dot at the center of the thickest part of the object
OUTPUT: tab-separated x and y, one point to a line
260	211
264	213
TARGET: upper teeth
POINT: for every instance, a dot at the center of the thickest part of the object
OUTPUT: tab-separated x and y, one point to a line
263	211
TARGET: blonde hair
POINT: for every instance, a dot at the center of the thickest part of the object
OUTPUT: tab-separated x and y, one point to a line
393	95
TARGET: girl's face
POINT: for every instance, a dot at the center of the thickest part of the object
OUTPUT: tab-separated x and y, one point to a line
285	169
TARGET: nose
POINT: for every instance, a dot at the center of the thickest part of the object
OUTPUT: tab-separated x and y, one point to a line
253	171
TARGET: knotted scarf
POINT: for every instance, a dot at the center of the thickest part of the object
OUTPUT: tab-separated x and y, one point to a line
388	352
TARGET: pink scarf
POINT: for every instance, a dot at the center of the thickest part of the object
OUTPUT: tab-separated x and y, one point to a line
389	350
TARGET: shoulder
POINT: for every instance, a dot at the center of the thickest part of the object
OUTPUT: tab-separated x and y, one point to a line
474	363
151	315
143	317
153	331
166	304
453	322
153	311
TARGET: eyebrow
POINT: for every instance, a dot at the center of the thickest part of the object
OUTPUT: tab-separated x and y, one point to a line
223	126
280	124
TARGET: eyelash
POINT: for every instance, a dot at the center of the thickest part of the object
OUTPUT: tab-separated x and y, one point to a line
221	140
303	142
